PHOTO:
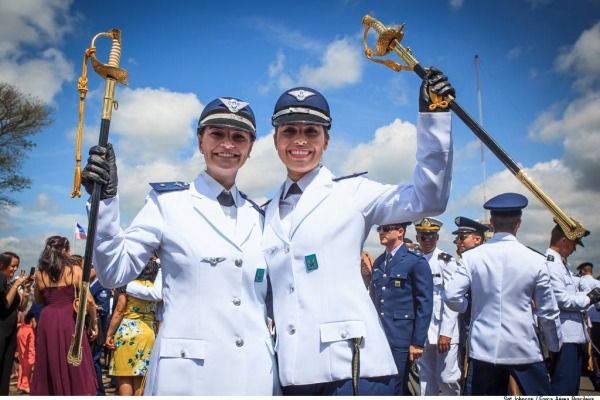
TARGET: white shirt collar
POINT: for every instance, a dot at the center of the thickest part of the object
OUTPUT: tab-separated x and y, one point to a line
216	188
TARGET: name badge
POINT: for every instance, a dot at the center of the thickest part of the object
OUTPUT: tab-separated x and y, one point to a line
311	262
260	275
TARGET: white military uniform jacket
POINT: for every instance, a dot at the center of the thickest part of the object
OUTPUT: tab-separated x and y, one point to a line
504	276
571	302
444	321
213	339
319	298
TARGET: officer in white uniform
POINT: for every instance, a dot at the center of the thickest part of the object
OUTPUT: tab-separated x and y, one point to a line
438	368
213	339
504	277
328	331
565	373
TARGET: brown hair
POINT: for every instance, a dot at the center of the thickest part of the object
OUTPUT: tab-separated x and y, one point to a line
54	257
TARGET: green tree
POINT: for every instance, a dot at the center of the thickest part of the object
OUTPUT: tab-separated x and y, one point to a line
21	117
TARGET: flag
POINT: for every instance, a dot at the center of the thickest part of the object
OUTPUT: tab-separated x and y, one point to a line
80	232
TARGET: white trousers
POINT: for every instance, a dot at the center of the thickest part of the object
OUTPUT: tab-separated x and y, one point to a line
439	371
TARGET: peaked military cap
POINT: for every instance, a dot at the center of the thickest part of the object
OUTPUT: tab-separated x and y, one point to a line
428	224
301	105
228	112
585	264
466	225
511	203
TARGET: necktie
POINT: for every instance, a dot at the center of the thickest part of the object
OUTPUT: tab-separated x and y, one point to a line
388	258
294	189
225	199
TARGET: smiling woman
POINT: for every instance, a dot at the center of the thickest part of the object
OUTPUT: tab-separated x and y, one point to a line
312	241
214	337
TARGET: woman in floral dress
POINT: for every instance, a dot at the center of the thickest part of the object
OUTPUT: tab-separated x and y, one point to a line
131	335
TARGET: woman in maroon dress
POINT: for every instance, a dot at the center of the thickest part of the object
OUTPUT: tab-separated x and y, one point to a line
55	283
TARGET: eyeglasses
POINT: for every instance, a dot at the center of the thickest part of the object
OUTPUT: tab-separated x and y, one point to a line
387	228
428	236
463	236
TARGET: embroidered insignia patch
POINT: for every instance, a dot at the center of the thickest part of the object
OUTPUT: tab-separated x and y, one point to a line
233	105
260	275
550	257
398	283
311	262
301	95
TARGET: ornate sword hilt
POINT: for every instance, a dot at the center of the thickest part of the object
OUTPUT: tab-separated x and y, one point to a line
113	74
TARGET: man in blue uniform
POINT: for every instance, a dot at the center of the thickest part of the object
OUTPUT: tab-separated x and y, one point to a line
438	368
565	373
402	291
504	276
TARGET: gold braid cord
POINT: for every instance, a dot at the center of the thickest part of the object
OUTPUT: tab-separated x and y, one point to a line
82	89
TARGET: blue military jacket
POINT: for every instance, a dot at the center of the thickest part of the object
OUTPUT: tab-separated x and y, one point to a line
403	296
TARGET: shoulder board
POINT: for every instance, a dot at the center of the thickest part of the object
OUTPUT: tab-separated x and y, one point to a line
169	186
254	205
349	176
444	256
535	251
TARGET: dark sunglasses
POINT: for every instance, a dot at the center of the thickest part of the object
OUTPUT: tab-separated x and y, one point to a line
387	228
463	236
430	236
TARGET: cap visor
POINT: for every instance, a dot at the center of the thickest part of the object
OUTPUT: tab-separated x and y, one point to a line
230	123
291	119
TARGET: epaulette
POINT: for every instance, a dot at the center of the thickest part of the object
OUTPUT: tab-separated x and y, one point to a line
414	252
444	256
535	251
349	176
169	186
254	205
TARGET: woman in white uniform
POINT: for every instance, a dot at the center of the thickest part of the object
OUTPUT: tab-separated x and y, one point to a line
329	337
213	338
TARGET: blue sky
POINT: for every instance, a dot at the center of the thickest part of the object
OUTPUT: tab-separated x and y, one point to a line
539	73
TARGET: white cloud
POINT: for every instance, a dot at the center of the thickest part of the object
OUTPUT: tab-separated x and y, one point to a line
582	59
37	24
578	128
34	23
389	156
342	64
154	123
42	77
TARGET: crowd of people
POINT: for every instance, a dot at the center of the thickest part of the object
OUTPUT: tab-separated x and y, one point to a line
281	299
38	320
